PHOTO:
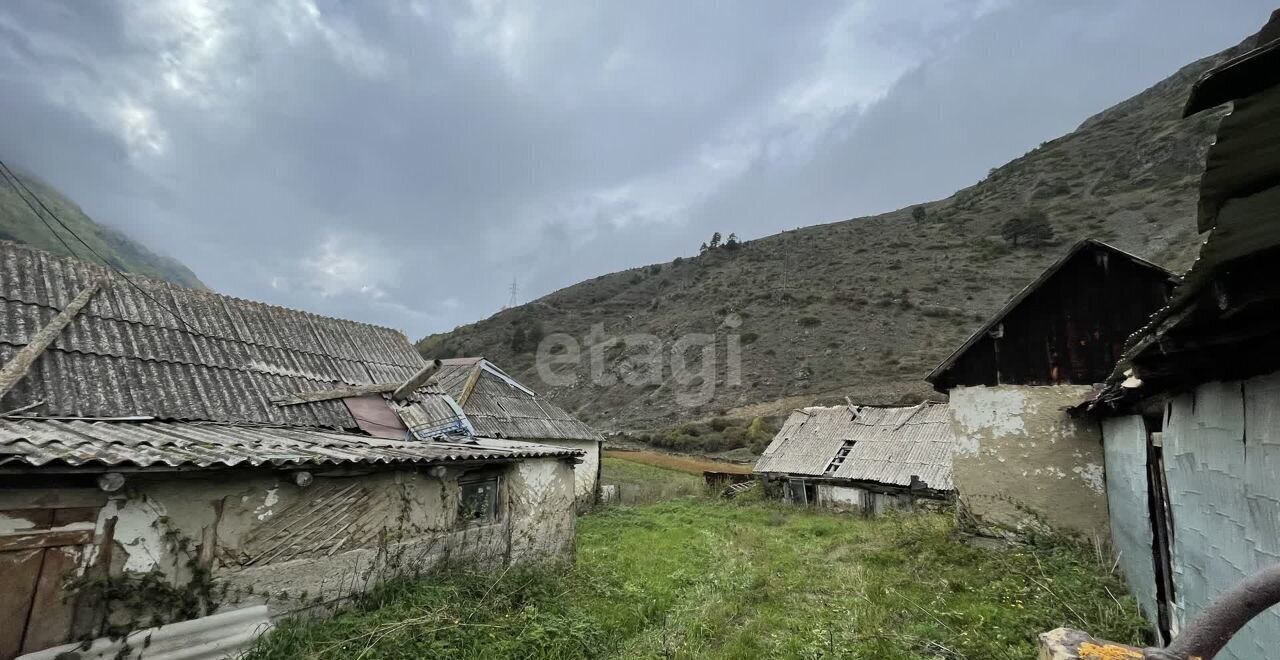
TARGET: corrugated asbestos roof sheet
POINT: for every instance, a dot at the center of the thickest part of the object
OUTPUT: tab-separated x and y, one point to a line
890	445
125	354
30	442
500	407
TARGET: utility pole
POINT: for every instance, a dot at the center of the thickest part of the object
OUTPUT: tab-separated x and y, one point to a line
515	289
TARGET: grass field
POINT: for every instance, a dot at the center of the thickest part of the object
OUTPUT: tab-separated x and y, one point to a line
696	578
678	462
640	483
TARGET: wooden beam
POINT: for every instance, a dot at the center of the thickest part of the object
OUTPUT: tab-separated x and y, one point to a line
470	385
17	367
418	380
399	390
46	539
335	393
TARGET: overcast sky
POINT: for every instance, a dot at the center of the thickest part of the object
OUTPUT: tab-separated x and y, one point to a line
400	162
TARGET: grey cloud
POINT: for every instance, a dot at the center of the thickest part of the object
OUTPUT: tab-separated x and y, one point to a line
452	147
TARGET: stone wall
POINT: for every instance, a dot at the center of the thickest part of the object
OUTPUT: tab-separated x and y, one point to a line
1021	462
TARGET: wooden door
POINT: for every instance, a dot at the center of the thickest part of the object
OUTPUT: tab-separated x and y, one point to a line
38	556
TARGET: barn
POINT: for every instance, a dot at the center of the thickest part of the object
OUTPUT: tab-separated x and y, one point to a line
1020	460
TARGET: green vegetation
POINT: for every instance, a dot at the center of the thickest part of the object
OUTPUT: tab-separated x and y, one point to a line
1032	227
704	579
19	223
643	484
719	434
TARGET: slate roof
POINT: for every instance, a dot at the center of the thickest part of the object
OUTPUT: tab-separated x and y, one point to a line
38	443
498	406
890	445
126	354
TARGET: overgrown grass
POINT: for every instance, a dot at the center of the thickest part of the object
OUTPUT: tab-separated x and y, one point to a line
702	579
678	462
641	483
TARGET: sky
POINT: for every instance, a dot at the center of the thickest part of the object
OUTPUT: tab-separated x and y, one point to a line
401	162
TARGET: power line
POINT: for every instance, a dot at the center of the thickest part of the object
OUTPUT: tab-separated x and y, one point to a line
8	173
17	183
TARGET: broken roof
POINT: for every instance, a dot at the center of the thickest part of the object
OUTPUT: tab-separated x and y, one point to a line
49	443
888	445
1221	321
1039	281
1240	76
499	406
128	354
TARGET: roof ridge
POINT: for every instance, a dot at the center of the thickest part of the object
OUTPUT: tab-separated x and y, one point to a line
8	245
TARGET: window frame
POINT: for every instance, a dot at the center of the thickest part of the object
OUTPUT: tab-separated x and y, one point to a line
494	515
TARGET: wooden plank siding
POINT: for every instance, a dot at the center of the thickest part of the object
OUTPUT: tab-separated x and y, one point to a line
1071	329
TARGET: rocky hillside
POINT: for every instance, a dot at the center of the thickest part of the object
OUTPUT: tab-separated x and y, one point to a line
867	306
19	223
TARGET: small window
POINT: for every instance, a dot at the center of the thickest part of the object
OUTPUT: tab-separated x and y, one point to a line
839	458
478	502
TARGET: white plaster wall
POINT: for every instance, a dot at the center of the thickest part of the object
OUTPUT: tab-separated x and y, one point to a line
585	473
543	516
1021	461
399	522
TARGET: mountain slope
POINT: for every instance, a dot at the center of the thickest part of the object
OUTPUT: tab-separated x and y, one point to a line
19	223
866	307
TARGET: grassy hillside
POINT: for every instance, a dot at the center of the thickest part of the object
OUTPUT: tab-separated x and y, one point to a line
701	579
19	223
866	307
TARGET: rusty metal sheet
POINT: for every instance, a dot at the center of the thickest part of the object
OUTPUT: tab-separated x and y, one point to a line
375	417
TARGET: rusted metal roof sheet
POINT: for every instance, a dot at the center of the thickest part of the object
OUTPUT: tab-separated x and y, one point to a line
890	445
42	442
127	354
498	406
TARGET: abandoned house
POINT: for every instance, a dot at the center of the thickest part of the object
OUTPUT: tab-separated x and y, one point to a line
862	458
174	455
498	406
1191	417
1020	459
